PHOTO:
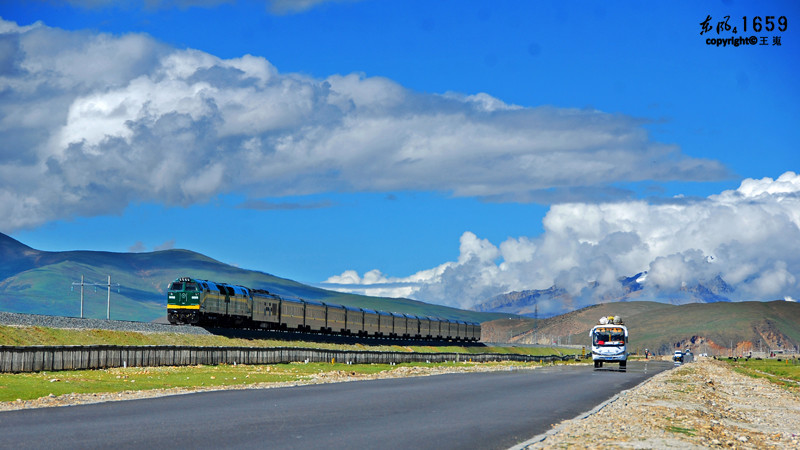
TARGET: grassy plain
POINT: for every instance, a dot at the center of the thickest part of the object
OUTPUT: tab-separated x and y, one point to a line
785	372
35	385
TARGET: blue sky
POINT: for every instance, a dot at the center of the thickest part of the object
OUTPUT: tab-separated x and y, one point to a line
447	151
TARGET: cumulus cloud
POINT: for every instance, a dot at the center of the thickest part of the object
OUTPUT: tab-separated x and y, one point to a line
91	122
748	237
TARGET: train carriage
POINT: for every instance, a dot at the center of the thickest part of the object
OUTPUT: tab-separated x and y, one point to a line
461	328
424	327
452	329
371	322
400	325
385	324
354	320
266	308
473	331
444	328
224	300
315	316
292	314
436	328
337	318
412	326
416	326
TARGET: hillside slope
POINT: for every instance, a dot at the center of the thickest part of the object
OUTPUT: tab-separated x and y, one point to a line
714	328
40	282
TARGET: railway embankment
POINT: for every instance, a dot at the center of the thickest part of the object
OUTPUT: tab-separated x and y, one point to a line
37	320
705	404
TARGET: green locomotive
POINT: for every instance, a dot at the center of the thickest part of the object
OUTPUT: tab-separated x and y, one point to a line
202	302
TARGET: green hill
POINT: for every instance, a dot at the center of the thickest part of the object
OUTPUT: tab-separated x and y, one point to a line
714	328
40	282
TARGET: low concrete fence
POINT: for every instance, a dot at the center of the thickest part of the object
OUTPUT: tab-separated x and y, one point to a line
53	358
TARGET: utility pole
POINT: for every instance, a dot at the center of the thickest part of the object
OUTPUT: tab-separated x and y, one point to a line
108	308
108	285
81	296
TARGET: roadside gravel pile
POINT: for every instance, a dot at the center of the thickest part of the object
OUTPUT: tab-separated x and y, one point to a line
698	405
35	320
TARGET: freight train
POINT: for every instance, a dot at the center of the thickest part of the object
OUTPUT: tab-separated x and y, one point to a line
206	303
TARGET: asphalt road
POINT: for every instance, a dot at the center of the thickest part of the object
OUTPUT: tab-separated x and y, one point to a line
471	410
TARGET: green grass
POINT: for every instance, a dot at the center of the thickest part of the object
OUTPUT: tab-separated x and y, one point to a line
28	386
26	336
681	430
773	370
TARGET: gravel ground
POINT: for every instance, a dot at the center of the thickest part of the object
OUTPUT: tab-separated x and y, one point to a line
703	404
35	320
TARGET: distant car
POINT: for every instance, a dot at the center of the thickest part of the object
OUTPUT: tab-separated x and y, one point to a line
678	356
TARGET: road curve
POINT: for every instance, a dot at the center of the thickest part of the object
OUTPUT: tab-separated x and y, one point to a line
475	410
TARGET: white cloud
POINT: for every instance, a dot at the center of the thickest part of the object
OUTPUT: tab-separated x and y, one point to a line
373	283
750	237
91	122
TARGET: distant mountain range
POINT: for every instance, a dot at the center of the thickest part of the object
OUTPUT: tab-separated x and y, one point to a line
525	303
42	282
701	317
717	328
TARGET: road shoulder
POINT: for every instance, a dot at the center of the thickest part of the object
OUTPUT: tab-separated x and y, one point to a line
698	405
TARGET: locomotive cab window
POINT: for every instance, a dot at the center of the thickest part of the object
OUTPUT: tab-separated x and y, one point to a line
176	286
191	286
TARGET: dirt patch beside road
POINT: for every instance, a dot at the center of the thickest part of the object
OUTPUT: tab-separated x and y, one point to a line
698	405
